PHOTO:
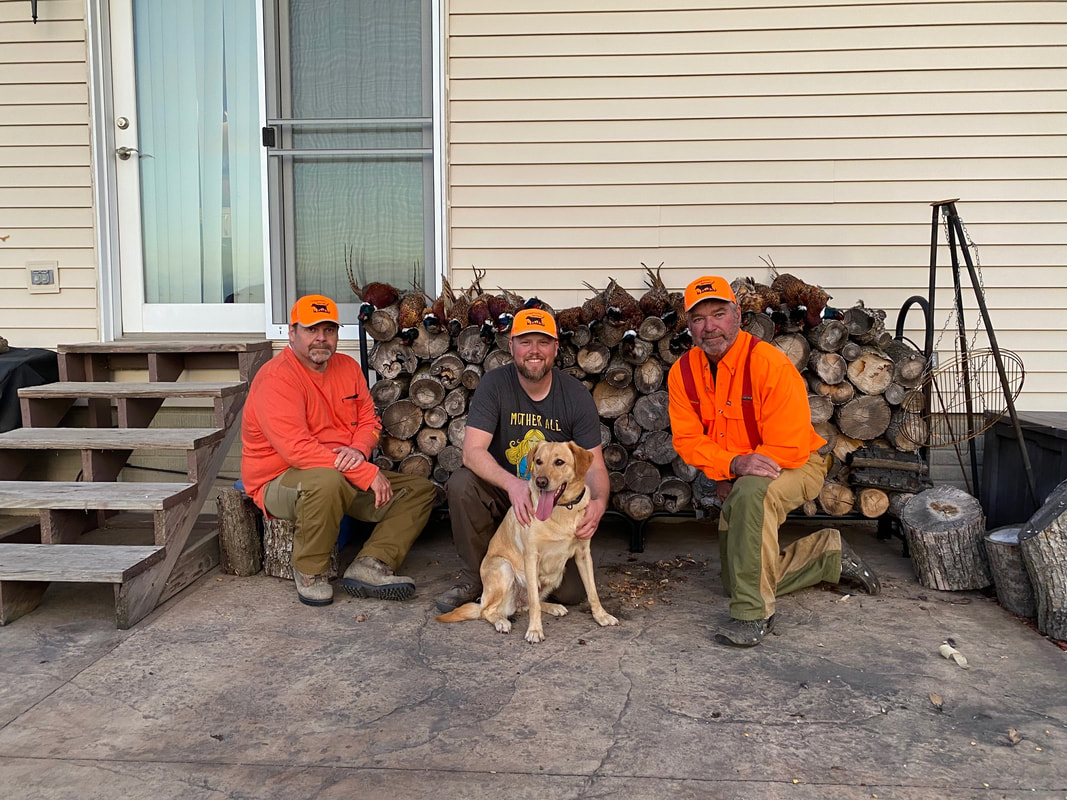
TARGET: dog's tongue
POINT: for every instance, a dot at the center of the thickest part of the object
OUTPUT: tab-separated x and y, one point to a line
546	502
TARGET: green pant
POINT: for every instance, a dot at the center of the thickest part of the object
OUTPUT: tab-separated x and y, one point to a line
316	500
754	569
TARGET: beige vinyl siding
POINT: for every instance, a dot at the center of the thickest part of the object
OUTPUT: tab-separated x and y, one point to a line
589	136
45	175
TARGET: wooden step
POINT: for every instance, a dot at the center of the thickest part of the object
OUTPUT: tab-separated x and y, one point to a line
83	496
27	569
113	389
110	438
137	403
164	360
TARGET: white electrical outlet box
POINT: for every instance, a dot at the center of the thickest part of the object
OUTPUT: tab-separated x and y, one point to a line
42	277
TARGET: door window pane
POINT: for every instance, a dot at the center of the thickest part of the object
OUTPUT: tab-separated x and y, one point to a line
198	119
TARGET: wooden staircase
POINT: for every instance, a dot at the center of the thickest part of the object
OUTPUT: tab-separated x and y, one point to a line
74	515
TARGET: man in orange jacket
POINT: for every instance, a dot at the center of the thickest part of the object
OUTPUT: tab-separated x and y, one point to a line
739	413
308	432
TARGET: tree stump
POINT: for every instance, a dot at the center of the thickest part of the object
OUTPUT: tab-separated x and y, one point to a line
1043	542
944	527
240	542
1014	590
278	550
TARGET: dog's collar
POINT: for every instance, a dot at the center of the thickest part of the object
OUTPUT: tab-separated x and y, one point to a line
575	501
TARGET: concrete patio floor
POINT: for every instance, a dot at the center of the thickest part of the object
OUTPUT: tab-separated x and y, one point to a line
234	689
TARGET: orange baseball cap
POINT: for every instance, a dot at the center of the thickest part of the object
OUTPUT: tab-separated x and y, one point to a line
709	287
313	309
534	320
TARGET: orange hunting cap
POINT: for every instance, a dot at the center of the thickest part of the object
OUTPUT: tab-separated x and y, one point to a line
313	309
534	320
709	287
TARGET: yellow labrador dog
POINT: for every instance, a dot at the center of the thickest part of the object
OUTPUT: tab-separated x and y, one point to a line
523	557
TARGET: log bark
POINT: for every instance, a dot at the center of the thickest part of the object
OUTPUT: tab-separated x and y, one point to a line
470	346
594	358
871	373
435	417
612	402
865	417
830	367
651	411
395	449
836	499
687	472
451	458
892	480
641	477
496	358
1043	542
652	329
240	542
627	430
402	419
872	502
390	358
656	447
633	504
616	457
673	495
648	377
906	431
278	550
416	464
796	349
830	335
1015	591
821	408
457	428
897	501
448	368
944	527
431	441
455	402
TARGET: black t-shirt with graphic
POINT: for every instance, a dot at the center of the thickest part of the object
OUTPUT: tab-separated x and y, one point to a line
502	408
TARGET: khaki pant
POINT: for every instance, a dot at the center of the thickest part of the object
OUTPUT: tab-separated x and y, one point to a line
754	569
316	500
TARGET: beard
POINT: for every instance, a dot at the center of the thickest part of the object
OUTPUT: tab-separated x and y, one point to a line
319	355
533	372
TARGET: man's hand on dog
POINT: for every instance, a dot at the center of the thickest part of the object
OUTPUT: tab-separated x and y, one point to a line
593	512
519	494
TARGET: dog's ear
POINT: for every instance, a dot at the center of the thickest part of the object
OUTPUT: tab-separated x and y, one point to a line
583	459
532	446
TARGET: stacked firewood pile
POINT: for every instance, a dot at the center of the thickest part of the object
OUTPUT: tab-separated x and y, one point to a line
429	356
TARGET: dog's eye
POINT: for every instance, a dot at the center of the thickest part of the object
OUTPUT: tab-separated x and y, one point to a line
560	462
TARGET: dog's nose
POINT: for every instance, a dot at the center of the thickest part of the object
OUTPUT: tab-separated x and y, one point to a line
541	483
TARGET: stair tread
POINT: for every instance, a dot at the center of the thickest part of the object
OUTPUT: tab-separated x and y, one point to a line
65	389
184	345
83	495
76	563
109	438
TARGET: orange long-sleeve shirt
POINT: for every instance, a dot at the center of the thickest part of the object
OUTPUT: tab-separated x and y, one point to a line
711	440
295	417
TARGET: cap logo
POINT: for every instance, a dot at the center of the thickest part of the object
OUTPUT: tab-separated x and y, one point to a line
535	319
705	287
321	308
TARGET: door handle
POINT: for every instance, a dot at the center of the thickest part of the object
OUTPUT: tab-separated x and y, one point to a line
124	153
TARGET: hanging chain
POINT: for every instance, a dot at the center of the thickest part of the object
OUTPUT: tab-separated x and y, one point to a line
969	243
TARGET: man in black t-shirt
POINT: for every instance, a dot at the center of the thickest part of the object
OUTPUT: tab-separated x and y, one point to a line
525	401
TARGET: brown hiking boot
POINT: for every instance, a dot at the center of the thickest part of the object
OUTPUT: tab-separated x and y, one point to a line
313	590
856	573
369	577
458	595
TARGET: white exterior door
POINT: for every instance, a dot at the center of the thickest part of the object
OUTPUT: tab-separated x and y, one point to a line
188	165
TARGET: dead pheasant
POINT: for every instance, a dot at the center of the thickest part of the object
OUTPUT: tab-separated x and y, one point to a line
656	301
376	294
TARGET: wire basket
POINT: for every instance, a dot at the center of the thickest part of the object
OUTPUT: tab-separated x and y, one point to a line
966	398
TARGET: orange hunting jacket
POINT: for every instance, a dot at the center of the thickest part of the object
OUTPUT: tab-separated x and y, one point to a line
711	440
295	417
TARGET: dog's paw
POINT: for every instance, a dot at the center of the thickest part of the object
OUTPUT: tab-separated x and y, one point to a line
605	619
555	609
535	635
503	625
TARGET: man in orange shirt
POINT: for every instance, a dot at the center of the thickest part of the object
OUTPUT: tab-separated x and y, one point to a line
739	413
309	429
